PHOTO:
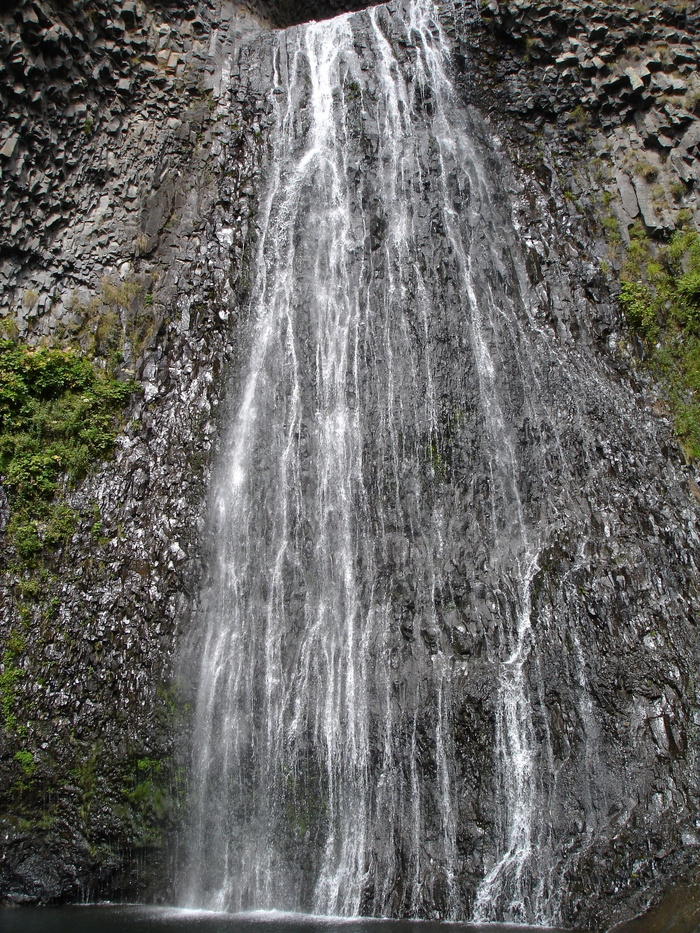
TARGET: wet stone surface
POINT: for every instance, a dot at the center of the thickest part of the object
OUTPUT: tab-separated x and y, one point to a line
128	156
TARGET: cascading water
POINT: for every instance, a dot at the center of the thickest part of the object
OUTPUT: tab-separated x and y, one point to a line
369	507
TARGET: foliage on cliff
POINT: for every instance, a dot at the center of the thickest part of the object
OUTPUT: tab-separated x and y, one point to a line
660	296
57	416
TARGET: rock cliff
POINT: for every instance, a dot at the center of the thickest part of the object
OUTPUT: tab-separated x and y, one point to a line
128	202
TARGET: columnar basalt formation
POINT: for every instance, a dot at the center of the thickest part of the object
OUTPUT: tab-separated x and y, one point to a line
622	81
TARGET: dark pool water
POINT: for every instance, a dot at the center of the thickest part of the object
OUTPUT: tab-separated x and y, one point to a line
112	919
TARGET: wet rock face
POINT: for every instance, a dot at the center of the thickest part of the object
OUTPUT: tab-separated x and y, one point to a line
558	86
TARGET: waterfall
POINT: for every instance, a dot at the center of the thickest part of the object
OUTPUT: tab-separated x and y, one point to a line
369	513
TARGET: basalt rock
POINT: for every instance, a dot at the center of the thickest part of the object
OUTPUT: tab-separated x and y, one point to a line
132	144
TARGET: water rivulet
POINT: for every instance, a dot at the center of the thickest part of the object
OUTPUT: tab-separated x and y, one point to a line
435	527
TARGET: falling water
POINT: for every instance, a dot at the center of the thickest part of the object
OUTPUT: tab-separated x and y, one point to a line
369	489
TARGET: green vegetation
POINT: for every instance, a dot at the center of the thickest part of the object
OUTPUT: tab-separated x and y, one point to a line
150	801
646	170
25	760
153	782
58	416
677	189
121	313
353	91
436	459
85	777
660	296
578	117
611	226
8	678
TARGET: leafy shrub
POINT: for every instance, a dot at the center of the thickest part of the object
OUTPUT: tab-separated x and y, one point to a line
689	287
637	303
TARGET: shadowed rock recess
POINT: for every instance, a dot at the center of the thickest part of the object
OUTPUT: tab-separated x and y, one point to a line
533	544
289	12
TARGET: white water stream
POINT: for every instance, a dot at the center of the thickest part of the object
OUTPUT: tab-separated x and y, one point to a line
326	770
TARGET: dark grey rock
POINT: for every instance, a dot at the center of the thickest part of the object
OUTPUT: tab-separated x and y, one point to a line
125	592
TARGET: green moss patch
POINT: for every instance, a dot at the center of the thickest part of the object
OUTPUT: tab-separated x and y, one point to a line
9	676
58	416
